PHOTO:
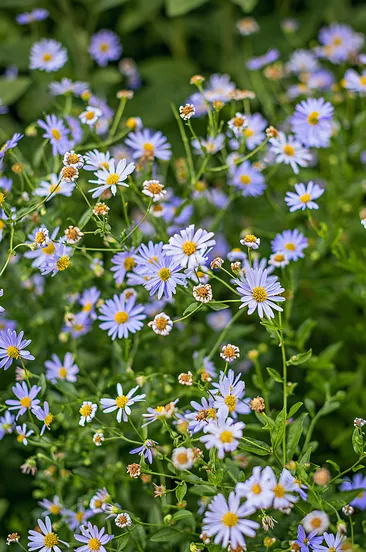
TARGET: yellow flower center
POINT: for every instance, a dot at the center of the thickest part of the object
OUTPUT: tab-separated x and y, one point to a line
56	133
48	420
121	401
279	491
245	179
94	544
89	115
129	263
182	458
62	372
289	150
86	410
238	122
79	516
55	188
69	172
113	178
131	122
20	438
316	522
363	80
2	198
2	224
55	509
161	323
51	539
313	118
148	147
256	489
230	519
226	436
13	352
155	188
230	401
337	41
88	307
248	132
259	294
279	257
72	159
104	47
25	402
189	248
159	409
63	263
164	274
290	246
250	238
121	317
305	198
40	237
361	494
47	57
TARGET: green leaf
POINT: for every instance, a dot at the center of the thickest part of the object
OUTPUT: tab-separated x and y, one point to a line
294	435
278	429
168	534
300	358
294	408
190	308
202	490
11	90
123	542
338	500
275	375
306	456
218	306
335	465
256	447
84	218
181	491
179	7
357	441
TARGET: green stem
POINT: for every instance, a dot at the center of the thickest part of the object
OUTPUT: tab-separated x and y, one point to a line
283	351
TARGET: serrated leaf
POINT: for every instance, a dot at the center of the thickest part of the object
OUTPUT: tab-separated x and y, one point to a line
300	358
275	375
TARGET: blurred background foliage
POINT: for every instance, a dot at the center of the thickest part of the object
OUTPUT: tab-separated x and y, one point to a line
170	40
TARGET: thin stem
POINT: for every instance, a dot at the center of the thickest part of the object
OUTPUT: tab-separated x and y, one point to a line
223	334
118	116
283	351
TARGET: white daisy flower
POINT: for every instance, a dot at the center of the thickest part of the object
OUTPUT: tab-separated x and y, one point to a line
257	489
290	152
153	188
91	115
123	520
278	259
202	293
109	179
189	247
44	540
121	403
162	324
47	55
183	458
316	521
251	241
223	434
87	412
71	158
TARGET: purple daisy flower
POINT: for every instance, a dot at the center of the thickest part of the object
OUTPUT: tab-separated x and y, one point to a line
203	412
306	542
146	450
258	62
10	144
123	262
248	180
120	316
26	398
44	415
149	145
292	242
304	197
47	55
39	14
334	543
260	291
104	47
13	347
57	134
58	261
312	122
7	424
92	539
61	370
164	276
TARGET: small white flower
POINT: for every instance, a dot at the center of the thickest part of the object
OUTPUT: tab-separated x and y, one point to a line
237	124
162	324
73	234
69	173
122	403
187	111
278	259
185	378
230	352
251	241
203	293
153	188
183	458
91	115
42	238
316	521
123	520
87	412
71	158
98	438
